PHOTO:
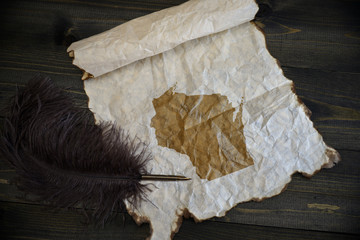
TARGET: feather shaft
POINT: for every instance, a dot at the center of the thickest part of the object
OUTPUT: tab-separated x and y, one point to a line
154	177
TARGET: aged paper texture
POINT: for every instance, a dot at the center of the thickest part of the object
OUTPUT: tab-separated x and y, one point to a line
197	84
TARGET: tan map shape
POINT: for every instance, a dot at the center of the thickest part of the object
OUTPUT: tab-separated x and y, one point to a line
202	127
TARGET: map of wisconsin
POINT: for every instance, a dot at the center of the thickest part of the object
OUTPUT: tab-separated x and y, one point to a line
202	127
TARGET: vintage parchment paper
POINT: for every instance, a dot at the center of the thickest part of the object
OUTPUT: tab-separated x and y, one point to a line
201	65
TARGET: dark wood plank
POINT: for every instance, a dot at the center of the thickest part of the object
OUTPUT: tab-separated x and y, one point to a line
334	99
8	90
26	221
19	221
215	231
298	35
313	34
317	43
329	201
299	210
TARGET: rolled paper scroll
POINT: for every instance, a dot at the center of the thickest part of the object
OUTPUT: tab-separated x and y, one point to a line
197	84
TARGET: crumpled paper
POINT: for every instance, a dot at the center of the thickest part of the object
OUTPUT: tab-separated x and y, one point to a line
196	83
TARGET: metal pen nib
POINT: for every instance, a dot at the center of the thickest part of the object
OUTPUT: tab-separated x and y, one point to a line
151	177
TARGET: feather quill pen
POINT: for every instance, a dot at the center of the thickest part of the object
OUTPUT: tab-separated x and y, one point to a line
65	159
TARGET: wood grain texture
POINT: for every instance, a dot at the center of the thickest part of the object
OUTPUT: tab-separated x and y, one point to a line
26	221
318	46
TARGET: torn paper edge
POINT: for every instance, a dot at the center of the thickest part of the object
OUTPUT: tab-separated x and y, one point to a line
332	155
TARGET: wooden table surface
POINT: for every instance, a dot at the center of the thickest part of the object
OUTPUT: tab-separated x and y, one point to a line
318	46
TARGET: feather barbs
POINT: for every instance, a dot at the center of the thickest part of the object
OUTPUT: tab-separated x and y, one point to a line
65	159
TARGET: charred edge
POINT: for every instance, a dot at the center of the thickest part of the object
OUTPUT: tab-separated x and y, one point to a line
332	154
86	75
185	213
140	220
258	27
307	111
